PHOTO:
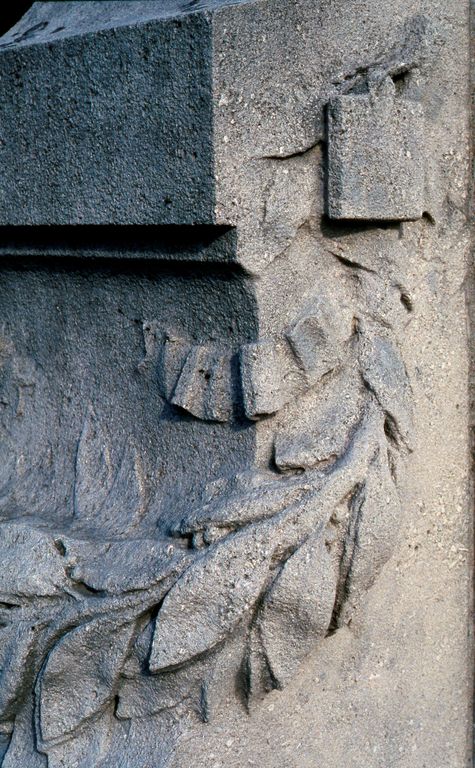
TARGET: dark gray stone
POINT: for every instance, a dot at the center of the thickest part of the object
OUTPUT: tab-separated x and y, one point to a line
234	507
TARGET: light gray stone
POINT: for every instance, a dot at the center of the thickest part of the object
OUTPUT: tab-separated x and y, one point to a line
234	466
376	161
261	379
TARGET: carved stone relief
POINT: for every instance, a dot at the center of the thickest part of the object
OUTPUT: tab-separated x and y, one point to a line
204	439
133	591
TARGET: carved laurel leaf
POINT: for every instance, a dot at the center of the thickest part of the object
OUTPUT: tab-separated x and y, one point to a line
384	373
16	667
31	566
93	469
125	503
80	677
255	674
333	416
121	566
22	751
297	610
210	598
371	536
146	695
245	506
87	747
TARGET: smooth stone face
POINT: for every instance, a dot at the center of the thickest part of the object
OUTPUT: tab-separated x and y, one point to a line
235	519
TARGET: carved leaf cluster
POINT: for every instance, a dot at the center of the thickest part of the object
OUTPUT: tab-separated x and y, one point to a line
282	559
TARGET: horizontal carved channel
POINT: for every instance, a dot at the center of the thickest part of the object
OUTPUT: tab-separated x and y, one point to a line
214	244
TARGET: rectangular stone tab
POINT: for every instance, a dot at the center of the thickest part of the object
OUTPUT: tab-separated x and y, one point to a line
375	159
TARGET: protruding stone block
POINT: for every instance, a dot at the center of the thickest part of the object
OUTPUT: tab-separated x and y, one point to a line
122	126
375	157
261	379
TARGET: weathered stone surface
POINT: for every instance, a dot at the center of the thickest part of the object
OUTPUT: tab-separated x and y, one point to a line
262	379
233	404
376	164
204	385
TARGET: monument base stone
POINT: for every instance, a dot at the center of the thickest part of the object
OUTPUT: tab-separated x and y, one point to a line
235	491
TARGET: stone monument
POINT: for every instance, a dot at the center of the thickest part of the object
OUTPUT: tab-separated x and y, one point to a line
234	431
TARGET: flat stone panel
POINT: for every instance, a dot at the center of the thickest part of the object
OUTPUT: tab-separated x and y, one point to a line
109	121
92	339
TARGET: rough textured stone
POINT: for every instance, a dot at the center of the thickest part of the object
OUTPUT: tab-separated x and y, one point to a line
376	162
234	475
261	379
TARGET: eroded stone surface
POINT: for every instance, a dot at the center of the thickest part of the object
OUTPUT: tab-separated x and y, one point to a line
376	162
233	409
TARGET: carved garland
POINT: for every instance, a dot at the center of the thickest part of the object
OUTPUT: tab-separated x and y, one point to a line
285	556
280	560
